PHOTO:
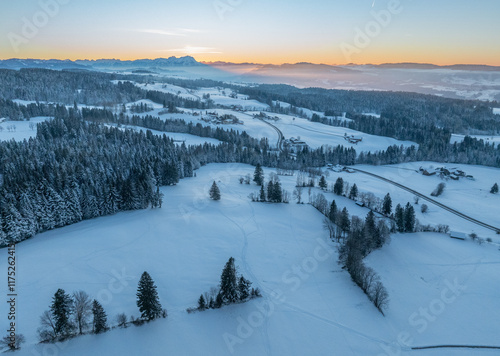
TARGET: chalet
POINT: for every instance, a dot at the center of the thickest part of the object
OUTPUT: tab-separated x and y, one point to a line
353	139
295	144
458	235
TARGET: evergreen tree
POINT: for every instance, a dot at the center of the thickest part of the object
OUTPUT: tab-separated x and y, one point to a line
345	222
338	187
202	305
387	205
322	183
214	192
228	283
244	288
147	298
409	217
99	323
353	194
494	189
277	193
332	213
258	175
61	309
399	215
270	191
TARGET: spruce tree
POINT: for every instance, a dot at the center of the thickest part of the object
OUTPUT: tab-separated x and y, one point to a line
228	283
345	223
61	309
338	187
332	213
214	192
202	305
353	194
387	205
322	183
244	288
409	217
258	175
399	215
277	193
147	298
99	323
270	191
494	189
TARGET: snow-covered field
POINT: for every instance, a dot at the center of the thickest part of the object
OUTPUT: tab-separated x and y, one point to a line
496	111
309	306
471	197
317	134
19	130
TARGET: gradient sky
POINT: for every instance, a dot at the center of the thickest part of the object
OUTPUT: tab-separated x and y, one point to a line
259	31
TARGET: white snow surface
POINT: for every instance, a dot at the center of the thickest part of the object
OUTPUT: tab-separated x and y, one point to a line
309	305
22	130
316	134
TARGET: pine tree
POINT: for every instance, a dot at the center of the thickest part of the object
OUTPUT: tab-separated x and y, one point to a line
270	191
338	187
61	309
202	305
399	215
409	218
345	223
228	283
332	213
258	175
147	298
494	189
322	183
214	192
277	193
387	205
244	288
353	194
100	319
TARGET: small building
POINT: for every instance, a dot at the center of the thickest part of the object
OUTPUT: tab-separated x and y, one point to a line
458	235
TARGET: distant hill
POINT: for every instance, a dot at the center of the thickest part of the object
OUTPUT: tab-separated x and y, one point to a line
115	64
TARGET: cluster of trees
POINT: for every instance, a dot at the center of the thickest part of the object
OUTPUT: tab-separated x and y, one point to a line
363	238
89	88
405	218
233	288
75	170
70	315
141	108
77	314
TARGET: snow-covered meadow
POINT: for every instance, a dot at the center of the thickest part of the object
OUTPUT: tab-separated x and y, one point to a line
309	306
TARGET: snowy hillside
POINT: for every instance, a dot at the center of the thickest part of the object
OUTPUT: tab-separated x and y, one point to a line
309	306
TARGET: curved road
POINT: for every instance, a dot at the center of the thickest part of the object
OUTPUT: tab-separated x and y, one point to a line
435	202
281	137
